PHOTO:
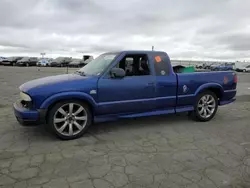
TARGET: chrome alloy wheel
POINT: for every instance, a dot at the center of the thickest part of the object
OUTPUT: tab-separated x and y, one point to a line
70	119
206	106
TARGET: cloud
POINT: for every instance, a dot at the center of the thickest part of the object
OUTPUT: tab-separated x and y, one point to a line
194	29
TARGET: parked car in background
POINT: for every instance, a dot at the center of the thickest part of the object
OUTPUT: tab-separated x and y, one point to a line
11	60
27	61
44	62
247	69
77	63
61	62
199	66
209	65
1	59
222	68
242	67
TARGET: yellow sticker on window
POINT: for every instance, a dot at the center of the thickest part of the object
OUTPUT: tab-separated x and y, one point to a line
157	59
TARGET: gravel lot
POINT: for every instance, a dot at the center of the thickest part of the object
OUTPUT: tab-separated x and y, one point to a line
163	152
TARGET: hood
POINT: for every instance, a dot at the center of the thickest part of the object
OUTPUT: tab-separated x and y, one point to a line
51	80
40	89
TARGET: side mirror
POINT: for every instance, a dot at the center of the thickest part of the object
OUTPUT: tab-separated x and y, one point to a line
117	73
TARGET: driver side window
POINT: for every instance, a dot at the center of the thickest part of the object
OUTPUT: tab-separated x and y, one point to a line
135	65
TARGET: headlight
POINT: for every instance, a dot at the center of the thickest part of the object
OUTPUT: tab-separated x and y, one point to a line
24	96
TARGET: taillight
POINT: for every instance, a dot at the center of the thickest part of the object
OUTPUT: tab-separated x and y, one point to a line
235	78
225	81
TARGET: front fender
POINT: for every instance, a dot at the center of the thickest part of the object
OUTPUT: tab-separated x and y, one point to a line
67	95
208	86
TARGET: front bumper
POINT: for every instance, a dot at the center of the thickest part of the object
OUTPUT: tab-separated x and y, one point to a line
29	117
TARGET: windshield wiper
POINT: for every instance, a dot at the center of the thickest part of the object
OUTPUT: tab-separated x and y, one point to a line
81	73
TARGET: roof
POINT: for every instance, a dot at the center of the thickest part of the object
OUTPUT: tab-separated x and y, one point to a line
137	51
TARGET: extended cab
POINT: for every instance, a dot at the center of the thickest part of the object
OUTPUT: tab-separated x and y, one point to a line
123	84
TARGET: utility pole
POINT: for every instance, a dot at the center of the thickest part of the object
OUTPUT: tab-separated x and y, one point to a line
42	54
153	48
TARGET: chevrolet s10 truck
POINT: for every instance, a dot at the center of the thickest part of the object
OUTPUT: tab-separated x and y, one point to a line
124	84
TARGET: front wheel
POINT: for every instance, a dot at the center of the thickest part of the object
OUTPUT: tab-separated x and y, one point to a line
206	106
69	119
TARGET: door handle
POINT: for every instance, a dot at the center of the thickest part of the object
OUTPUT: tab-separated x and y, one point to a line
151	83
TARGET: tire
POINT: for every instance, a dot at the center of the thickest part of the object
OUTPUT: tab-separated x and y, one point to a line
77	130
200	115
244	70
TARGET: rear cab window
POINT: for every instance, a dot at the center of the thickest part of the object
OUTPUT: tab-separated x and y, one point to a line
161	64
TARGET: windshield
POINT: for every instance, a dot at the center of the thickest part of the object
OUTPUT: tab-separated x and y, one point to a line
11	58
98	65
248	66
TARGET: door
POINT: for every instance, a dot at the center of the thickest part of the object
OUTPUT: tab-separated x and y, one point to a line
134	93
166	82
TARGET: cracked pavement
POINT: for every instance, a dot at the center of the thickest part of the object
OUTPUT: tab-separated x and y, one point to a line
153	152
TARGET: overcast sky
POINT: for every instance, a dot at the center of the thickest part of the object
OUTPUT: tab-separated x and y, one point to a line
186	29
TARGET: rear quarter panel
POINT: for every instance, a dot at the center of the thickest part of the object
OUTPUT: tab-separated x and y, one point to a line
191	84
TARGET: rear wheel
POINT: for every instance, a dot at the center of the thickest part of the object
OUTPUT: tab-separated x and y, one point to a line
206	106
69	119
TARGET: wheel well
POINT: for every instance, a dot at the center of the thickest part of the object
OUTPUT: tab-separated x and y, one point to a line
216	91
58	101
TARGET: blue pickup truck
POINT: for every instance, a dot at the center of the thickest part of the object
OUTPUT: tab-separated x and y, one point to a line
122	84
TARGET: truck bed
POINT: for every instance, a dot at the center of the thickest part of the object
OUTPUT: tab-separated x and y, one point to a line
189	84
